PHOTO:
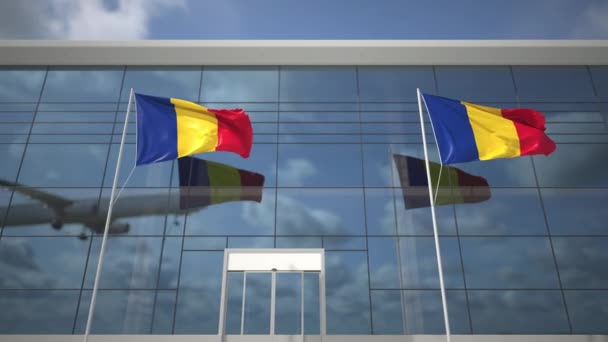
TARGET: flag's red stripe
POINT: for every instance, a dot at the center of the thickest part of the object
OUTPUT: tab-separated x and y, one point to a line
473	189
251	186
234	131
526	116
533	140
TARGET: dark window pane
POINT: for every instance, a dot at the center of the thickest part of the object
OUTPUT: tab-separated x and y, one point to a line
348	306
508	263
38	312
288	318
559	84
588	311
318	84
244	84
20	85
506	212
198	303
387	316
582	261
129	263
419	263
424	312
574	165
182	83
82	85
394	84
576	211
319	165
257	304
312	321
234	303
117	312
56	165
600	80
471	84
518	312
383	263
320	212
42	263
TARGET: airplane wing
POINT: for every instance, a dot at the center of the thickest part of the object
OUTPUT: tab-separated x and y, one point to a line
54	202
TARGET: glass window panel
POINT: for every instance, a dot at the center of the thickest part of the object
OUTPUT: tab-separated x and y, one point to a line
234	303
545	107
262	116
298	242
20	85
476	84
580	128
250	242
379	167
254	84
419	221
347	293
153	175
383	263
380	212
506	212
512	172
508	263
574	165
80	107
139	211
131	263
600	80
56	117
205	243
117	312
5	198
552	83
312	321
319	138
588	311
393	107
322	116
580	138
234	218
288	314
179	82
319	107
419	263
318	84
198	302
28	216
249	107
176	220
70	139
55	165
15	128
11	155
18	107
42	262
394	84
265	139
521	312
320	212
344	243
13	139
582	261
82	85
38	312
393	139
327	128
265	128
162	316
387	315
393	128
320	165
391	117
257	304
576	211
72	128
424	312
573	116
16	117
169	263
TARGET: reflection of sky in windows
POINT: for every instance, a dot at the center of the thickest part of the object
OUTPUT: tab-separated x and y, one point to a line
334	192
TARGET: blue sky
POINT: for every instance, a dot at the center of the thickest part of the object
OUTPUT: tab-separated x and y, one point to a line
297	19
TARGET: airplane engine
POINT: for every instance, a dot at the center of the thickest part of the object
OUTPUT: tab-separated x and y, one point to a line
57	223
118	228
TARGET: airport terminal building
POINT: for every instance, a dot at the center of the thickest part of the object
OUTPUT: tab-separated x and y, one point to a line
353	259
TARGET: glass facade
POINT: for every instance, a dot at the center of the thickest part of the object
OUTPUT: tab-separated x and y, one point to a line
531	259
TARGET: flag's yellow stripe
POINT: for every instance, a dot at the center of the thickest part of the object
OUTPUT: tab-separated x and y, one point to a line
495	136
196	128
444	191
224	182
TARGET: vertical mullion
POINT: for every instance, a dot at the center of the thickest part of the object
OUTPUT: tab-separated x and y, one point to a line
273	288
243	303
302	303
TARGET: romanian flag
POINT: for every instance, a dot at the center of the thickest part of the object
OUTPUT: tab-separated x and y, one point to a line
169	128
455	186
468	132
203	183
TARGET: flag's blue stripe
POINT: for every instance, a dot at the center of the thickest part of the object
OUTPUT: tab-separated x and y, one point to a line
200	173
156	129
416	172
193	174
453	129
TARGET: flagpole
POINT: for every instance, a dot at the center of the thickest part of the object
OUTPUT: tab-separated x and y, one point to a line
87	330
434	218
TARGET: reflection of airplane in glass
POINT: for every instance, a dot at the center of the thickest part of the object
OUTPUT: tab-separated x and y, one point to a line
202	183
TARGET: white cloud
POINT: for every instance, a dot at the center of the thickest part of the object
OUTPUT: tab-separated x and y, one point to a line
80	19
592	22
296	171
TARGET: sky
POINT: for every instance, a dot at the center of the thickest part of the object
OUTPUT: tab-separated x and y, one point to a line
297	19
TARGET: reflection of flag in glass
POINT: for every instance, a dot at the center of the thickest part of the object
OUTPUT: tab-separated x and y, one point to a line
204	183
455	185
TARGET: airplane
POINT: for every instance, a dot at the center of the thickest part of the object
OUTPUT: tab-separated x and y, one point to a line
195	193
